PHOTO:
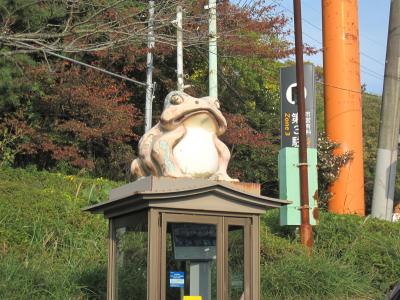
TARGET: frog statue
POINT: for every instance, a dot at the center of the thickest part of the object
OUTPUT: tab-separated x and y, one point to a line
185	143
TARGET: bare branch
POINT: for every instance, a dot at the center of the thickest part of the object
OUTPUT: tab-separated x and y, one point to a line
91	25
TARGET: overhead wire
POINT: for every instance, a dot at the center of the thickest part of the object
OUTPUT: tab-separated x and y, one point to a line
200	40
319	28
86	65
49	51
365	70
199	45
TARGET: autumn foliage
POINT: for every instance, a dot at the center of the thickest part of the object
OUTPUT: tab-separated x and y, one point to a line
239	132
80	117
65	114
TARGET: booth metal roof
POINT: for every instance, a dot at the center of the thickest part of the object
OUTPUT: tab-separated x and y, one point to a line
186	194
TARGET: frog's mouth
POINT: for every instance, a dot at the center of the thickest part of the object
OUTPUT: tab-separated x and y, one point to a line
218	119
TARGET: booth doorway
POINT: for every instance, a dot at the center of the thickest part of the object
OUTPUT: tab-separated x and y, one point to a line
207	256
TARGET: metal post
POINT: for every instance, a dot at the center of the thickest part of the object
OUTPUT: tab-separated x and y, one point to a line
212	49
179	47
385	172
305	227
200	279
149	75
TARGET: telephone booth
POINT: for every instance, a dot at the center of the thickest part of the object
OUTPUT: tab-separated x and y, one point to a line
171	238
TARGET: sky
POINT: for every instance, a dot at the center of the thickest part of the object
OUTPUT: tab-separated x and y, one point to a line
373	28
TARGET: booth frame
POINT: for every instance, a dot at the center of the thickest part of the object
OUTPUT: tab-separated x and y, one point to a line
166	200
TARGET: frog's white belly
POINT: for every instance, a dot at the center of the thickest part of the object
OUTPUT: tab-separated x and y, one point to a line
196	153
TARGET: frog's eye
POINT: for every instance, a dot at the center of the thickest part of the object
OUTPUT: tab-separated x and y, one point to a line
176	99
216	103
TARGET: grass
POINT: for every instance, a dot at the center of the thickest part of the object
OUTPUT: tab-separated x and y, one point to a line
353	258
50	249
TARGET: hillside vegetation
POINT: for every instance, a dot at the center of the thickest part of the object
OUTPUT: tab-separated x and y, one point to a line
60	116
67	119
50	249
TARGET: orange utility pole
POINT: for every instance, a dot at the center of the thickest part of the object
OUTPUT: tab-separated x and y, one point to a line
343	110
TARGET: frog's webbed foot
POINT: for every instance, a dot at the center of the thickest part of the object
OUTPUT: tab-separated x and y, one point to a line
137	168
222	177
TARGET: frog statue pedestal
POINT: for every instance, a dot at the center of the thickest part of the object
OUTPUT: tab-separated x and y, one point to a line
185	143
184	228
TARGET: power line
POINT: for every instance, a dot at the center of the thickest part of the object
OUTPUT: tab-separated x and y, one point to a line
195	45
320	29
365	70
372	73
84	64
95	68
200	49
339	88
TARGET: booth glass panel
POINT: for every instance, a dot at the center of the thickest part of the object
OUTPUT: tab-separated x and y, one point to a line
236	262
130	277
191	261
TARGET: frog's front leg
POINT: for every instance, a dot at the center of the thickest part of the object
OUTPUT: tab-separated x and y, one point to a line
224	156
143	166
147	164
162	152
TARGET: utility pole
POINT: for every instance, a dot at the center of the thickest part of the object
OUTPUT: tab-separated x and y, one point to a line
179	48
343	106
386	162
212	49
149	73
305	227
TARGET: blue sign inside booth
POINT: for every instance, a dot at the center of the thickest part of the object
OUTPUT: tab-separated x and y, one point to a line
177	279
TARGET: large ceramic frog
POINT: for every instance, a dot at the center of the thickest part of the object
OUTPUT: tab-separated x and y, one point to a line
184	143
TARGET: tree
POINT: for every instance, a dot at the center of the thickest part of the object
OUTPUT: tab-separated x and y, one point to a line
70	26
53	100
80	117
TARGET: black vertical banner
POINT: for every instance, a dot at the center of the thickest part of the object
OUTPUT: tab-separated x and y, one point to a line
289	113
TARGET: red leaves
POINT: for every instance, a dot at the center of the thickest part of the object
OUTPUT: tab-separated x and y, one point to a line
79	116
73	155
253	29
34	143
93	106
239	132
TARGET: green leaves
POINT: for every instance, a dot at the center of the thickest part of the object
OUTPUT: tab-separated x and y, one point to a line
13	85
329	165
97	192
